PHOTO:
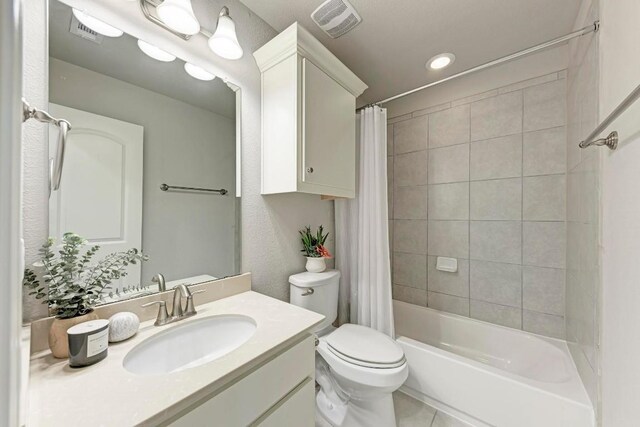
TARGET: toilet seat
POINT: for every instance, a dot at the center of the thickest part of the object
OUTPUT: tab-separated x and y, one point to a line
366	347
386	367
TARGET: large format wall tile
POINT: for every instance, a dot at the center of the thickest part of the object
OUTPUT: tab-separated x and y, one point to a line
544	244
543	324
498	241
482	179
544	198
449	127
410	202
449	201
410	135
410	270
498	314
497	116
449	238
544	152
496	158
545	106
498	199
449	164
410	236
448	283
410	169
543	290
448	303
410	295
496	283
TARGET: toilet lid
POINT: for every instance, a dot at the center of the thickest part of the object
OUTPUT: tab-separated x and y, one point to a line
365	347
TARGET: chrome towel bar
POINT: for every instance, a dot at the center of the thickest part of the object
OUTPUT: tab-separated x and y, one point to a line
165	187
610	141
56	164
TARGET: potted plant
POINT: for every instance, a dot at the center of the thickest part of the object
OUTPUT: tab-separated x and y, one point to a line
314	249
73	285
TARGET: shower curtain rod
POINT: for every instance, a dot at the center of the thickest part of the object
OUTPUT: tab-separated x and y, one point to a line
581	32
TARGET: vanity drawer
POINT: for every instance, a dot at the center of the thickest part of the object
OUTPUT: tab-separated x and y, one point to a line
257	393
296	409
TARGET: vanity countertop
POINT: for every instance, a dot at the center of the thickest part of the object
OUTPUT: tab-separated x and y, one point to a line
105	394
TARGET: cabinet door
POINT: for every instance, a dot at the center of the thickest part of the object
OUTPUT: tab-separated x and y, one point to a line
329	132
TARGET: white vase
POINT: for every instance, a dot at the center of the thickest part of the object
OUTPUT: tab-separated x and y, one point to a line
316	264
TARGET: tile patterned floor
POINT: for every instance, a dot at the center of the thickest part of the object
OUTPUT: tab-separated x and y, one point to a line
413	413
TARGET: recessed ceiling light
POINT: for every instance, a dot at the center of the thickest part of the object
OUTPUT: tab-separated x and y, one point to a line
97	25
441	61
155	52
198	73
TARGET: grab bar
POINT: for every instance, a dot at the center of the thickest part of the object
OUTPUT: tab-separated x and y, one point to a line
55	164
611	141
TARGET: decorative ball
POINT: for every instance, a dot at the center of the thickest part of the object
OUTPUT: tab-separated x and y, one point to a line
123	326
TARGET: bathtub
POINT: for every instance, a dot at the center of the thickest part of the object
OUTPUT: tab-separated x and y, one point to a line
488	375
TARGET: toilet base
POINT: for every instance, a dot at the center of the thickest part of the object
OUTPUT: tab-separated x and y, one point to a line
357	413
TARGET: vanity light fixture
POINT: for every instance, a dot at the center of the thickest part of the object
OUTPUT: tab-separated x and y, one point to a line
96	25
224	42
155	52
441	61
198	73
178	15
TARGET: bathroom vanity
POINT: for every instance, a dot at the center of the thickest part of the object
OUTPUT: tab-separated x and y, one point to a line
267	380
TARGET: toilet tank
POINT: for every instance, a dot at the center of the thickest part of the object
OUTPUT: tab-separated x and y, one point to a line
316	292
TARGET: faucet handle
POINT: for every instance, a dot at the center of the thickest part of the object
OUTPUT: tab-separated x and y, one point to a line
191	309
163	315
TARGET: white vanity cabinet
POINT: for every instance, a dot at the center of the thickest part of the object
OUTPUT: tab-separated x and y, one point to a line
308	117
278	392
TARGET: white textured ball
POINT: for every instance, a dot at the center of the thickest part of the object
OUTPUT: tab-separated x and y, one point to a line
123	326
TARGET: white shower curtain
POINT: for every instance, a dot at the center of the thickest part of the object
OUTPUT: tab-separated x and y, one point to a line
362	232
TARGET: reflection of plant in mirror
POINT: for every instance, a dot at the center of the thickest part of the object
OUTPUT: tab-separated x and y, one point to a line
313	245
74	284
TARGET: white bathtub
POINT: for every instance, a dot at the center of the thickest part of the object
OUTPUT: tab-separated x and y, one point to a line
487	374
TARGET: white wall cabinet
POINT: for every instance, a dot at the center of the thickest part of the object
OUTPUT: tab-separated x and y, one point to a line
308	117
283	388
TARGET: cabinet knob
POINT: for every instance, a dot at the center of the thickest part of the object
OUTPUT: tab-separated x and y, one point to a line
310	169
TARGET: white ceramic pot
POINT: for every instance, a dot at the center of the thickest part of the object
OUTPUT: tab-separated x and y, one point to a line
316	265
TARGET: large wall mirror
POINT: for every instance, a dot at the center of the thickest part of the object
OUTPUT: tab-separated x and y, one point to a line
150	161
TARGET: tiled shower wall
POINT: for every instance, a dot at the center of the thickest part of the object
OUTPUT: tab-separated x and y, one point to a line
482	179
583	204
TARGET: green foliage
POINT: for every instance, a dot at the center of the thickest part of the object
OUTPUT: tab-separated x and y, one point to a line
72	285
313	245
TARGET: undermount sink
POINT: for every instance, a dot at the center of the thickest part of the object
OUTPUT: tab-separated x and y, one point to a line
188	345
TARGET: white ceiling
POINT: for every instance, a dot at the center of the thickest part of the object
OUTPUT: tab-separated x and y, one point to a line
121	59
388	50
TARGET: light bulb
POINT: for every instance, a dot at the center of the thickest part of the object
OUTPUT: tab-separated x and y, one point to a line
178	15
224	41
96	25
198	73
155	52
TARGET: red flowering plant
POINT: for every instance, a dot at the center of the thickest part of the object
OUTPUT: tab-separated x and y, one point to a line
313	244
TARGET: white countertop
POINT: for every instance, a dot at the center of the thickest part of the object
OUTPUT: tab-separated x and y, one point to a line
105	394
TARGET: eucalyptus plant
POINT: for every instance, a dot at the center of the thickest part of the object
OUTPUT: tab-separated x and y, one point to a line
72	283
313	244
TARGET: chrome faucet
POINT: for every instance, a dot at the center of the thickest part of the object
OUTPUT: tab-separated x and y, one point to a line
177	312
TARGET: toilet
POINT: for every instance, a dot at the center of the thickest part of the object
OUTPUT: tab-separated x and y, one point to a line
357	368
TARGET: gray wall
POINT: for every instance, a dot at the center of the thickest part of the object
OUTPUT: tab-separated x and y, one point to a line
184	234
482	179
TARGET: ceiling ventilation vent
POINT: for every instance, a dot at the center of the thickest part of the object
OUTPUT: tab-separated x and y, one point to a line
79	29
336	17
